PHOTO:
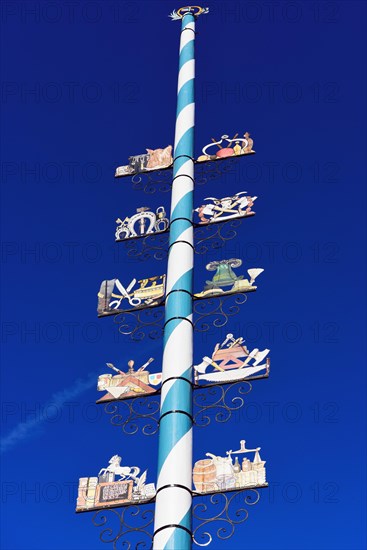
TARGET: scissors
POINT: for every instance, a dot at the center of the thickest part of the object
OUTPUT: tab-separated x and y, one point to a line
125	294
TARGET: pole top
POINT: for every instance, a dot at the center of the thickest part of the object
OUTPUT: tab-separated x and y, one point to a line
181	12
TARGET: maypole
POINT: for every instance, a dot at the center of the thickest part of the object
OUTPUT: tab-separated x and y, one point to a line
151	402
172	527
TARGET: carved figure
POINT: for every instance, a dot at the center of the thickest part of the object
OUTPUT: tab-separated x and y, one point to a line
122	471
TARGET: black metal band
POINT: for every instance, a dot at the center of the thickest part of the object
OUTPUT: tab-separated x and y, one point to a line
183	319
186	219
186	156
177	378
185	242
174	485
179	411
172	525
183	176
188	28
178	290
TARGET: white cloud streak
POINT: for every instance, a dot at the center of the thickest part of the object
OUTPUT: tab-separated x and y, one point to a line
33	427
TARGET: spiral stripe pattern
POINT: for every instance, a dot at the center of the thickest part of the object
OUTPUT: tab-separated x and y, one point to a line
173	504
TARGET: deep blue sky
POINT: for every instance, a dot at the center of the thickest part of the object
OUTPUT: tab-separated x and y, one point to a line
103	76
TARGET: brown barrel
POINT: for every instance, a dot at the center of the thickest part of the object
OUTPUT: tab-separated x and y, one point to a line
204	476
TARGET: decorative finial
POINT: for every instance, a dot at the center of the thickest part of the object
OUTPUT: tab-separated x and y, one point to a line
181	12
131	366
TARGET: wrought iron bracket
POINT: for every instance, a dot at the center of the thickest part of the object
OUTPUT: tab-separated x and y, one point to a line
211	236
161	180
135	414
153	245
213	311
221	511
129	527
217	402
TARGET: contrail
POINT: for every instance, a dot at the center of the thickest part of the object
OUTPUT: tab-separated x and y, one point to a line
32	427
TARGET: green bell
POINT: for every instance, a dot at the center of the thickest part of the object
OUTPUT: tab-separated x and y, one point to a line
225	275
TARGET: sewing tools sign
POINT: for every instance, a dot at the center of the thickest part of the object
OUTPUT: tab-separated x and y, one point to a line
113	296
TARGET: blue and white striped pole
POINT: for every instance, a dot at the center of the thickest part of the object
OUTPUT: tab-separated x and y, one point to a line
172	526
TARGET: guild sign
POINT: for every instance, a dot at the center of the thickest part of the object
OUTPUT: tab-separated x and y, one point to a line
105	491
153	159
225	277
144	222
232	361
132	383
228	208
150	292
217	473
234	147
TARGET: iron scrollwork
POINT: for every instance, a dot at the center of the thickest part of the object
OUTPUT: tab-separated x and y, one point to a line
205	172
151	182
214	311
132	415
151	246
142	323
222	400
214	236
209	312
132	522
142	413
229	510
207	237
217	308
161	180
